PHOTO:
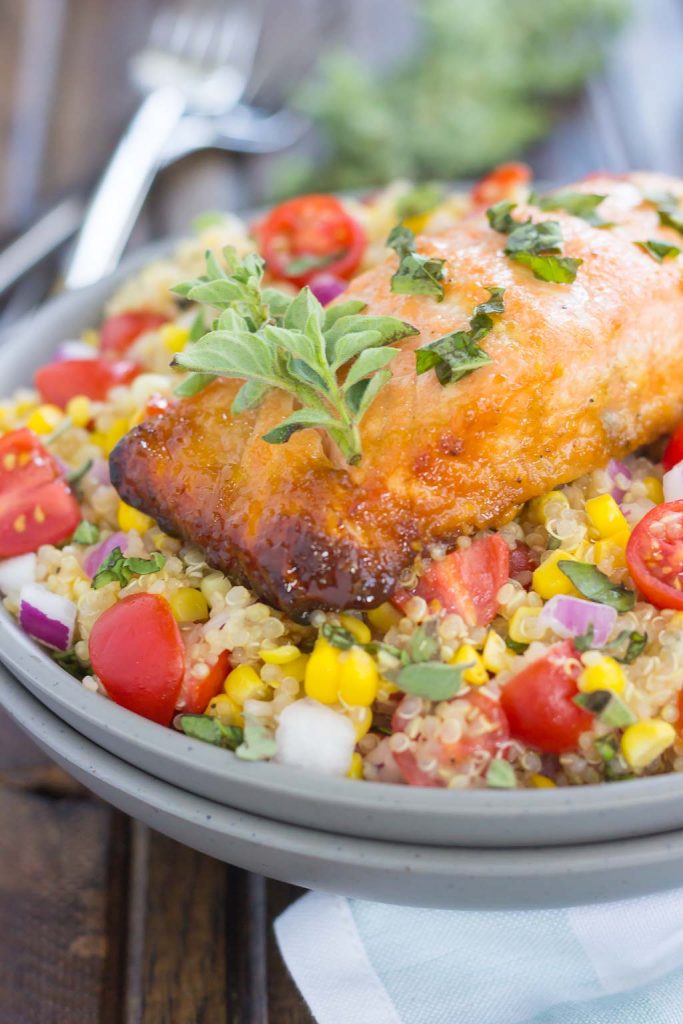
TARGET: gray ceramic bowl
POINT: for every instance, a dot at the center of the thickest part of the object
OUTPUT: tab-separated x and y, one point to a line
404	873
476	818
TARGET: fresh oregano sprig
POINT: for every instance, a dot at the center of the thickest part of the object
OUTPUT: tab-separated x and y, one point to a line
333	362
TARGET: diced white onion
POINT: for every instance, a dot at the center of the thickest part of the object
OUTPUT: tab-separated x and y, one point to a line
47	617
672	482
313	736
16	572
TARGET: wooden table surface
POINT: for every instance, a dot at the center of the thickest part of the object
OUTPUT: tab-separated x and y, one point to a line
103	921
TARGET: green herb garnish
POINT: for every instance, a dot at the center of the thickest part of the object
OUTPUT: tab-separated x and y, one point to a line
303	264
458	354
211	730
69	661
659	251
635	645
607	747
258	743
86	533
606	706
580	204
515	645
118	569
584	641
74	477
534	245
596	586
338	636
416	274
668	209
500	774
420	200
293	345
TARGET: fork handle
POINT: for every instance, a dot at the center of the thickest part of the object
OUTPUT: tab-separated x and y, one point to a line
123	188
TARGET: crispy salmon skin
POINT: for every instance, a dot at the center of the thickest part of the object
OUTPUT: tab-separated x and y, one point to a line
580	373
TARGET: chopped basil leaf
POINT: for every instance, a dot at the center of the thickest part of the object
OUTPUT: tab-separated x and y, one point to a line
635	646
258	743
416	274
86	533
659	251
596	586
606	706
431	679
69	661
556	269
338	636
421	199
458	354
500	217
515	645
118	569
580	204
584	641
607	748
211	730
534	245
500	774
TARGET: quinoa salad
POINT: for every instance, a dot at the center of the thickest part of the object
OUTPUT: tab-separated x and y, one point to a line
547	652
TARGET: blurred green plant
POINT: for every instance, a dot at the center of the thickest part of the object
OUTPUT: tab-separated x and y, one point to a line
480	87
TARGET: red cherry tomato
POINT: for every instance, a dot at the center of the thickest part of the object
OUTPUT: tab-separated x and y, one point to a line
467	581
94	378
137	651
673	453
303	236
504	182
36	505
654	555
119	332
432	757
197	693
539	702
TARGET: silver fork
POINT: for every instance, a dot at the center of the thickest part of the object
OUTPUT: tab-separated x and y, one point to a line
198	60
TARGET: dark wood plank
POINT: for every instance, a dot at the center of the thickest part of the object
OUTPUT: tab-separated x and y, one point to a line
285	1005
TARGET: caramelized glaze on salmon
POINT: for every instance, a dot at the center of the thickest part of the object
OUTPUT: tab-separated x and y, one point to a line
580	373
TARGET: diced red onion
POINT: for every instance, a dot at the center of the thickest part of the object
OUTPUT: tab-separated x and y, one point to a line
102	551
47	617
74	350
326	287
571	616
615	469
99	471
672	483
16	572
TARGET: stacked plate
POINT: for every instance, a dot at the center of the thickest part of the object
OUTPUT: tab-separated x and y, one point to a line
478	849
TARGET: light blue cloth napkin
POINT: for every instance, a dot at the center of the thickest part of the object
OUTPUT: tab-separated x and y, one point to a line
368	963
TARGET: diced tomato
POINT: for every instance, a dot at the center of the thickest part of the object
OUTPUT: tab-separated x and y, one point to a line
467	581
119	332
36	505
522	562
504	182
673	453
94	378
196	693
303	236
539	702
431	759
654	555
137	651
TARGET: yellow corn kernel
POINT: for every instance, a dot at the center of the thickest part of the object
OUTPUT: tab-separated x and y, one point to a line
541	782
129	518
476	674
321	680
517	624
643	742
79	410
610	551
358	630
606	674
279	655
297	669
98	438
538	506
358	677
548	580
244	683
605	515
115	432
91	337
214	583
356	769
44	419
654	489
189	605
174	337
223	707
384	617
361	719
494	654
24	405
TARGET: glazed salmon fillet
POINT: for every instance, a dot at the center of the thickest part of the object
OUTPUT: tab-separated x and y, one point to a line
580	373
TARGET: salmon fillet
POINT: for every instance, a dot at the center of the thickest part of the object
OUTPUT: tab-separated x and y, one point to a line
580	373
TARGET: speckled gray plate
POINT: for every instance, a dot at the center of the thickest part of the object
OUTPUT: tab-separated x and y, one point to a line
476	818
407	873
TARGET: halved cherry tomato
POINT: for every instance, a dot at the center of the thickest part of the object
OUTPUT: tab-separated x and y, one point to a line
539	702
504	182
673	453
137	651
94	378
303	236
36	505
196	693
467	581
119	332
654	555
432	758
